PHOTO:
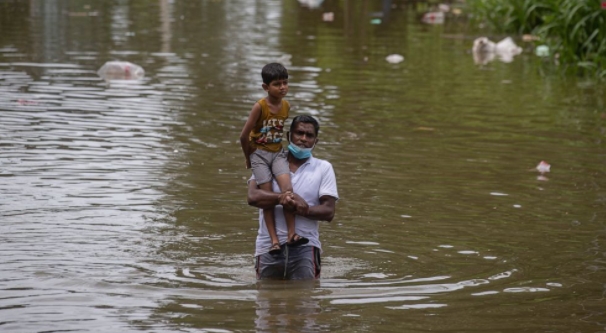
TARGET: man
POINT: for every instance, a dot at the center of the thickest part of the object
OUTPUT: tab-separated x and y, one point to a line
315	189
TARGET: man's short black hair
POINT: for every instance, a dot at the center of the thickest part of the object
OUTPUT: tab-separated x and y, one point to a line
273	71
307	120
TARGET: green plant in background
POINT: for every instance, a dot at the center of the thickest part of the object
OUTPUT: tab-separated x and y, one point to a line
514	16
574	29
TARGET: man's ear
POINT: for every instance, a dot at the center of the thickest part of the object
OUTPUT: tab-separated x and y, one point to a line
265	87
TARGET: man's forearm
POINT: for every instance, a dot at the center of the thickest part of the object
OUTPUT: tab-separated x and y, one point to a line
260	198
325	211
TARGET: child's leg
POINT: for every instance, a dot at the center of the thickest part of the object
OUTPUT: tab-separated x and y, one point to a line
268	215
262	170
289	215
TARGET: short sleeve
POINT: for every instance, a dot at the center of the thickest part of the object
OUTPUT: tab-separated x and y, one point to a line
328	185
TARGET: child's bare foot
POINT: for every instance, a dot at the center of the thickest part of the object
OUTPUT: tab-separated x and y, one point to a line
275	248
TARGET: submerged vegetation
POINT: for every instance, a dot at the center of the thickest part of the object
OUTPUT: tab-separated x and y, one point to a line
575	30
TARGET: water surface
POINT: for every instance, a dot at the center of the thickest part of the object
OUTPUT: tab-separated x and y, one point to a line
123	208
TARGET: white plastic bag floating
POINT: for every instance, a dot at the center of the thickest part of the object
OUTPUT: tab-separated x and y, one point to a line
543	167
483	44
121	70
394	58
484	50
311	3
507	49
433	18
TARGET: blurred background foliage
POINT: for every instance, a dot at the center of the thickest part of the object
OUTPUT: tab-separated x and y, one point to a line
575	30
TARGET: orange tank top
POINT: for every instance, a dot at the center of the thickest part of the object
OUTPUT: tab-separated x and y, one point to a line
269	129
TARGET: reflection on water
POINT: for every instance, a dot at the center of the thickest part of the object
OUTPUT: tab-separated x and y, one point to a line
283	306
123	201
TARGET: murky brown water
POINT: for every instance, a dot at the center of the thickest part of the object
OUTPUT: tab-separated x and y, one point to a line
122	203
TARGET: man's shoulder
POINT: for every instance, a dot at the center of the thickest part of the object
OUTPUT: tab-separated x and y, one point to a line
320	163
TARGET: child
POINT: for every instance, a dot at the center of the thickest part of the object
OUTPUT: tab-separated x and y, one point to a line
261	141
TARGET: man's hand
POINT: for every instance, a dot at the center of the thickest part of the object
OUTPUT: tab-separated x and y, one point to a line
286	199
293	201
300	205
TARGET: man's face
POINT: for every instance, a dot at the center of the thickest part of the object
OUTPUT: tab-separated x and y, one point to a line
303	135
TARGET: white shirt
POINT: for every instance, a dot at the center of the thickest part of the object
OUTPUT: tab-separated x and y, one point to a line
312	180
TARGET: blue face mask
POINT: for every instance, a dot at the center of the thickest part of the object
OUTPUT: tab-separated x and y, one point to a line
298	152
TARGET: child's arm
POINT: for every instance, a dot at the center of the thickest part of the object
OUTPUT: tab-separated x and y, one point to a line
254	115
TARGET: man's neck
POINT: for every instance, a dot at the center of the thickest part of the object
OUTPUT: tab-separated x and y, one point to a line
296	163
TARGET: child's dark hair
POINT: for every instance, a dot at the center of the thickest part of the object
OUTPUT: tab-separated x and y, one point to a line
273	71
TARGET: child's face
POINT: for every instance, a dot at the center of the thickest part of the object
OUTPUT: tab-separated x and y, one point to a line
277	88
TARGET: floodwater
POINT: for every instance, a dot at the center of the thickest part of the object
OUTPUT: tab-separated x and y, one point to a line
122	202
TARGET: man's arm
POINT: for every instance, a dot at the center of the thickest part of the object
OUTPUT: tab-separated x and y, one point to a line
266	199
325	211
259	198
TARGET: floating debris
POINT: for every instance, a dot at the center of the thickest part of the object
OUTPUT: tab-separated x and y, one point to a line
433	18
121	70
483	45
484	50
444	7
394	58
506	49
311	3
543	167
529	38
542	51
